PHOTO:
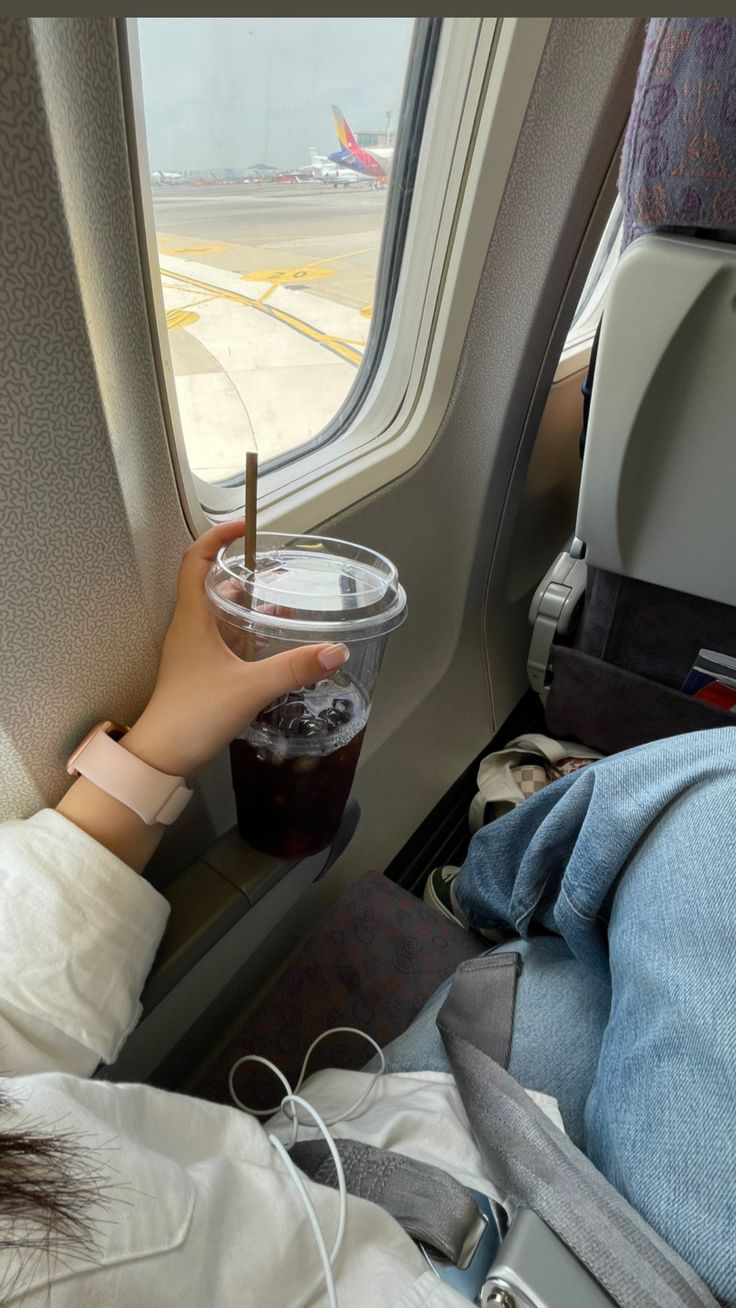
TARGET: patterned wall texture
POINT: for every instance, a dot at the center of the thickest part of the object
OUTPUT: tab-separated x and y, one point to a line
91	524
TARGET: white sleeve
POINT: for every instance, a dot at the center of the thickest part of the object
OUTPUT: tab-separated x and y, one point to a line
78	934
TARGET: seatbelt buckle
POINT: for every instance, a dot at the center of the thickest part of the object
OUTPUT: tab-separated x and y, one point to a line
480	1247
534	1269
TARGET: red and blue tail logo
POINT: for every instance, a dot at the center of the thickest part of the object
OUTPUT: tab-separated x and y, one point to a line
350	154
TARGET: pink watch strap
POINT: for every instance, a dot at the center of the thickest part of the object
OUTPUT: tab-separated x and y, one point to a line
153	795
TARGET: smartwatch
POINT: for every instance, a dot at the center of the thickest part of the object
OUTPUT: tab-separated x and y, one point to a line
154	796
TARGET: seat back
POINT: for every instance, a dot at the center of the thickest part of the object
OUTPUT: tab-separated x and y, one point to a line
658	491
615	637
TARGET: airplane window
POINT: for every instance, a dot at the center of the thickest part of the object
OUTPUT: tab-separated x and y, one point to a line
590	305
270	148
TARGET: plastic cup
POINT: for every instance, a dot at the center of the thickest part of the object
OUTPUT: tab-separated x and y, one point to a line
293	767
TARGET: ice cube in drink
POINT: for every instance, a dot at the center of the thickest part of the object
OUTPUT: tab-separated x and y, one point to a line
294	765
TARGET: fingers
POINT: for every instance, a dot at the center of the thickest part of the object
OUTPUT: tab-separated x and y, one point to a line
206	546
295	668
199	557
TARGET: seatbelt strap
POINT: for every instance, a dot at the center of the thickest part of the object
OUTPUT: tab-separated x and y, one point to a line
431	1205
537	1167
482	1007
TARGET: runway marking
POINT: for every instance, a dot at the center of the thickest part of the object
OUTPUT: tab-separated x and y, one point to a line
366	311
279	275
193	304
192	249
177	318
284	277
304	273
350	254
332	343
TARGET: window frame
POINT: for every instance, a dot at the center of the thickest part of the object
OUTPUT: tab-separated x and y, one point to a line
576	350
593	296
484	72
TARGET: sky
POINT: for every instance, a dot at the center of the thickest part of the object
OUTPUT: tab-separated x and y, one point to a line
233	92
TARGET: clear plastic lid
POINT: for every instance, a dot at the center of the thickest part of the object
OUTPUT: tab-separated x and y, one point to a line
307	588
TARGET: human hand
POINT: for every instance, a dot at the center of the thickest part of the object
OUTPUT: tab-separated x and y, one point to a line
204	694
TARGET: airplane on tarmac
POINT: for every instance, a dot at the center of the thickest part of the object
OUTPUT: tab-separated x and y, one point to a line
374	163
161	178
328	170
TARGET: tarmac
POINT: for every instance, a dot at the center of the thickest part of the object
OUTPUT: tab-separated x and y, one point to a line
268	291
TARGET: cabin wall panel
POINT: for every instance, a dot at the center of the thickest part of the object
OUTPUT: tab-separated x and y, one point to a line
91	521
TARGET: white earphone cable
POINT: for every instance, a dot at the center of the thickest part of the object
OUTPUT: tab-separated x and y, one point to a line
289	1106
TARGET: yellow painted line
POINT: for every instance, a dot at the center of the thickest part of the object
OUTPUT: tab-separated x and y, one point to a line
366	311
302	272
277	276
331	343
306	272
351	254
177	318
193	249
284	277
193	304
196	249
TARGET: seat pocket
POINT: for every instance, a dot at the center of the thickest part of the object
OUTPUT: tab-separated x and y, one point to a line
611	709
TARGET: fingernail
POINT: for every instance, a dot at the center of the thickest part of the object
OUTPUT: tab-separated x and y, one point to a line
333	657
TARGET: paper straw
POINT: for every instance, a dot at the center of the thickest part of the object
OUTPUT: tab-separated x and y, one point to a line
251	509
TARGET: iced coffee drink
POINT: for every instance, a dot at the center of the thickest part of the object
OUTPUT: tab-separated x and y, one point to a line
293	766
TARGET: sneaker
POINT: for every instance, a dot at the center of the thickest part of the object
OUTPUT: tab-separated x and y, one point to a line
438	894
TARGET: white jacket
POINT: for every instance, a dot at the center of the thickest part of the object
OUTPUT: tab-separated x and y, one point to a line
195	1208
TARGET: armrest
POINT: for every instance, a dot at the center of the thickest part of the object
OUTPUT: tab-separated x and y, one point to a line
214	892
223	906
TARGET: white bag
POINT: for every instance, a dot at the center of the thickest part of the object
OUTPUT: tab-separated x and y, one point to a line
499	791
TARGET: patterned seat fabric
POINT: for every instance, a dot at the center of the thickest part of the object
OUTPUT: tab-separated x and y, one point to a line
372	964
678	169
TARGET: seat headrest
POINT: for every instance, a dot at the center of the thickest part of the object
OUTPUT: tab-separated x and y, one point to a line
678	169
657	490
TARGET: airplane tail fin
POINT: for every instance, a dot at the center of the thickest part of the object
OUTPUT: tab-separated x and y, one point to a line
342	127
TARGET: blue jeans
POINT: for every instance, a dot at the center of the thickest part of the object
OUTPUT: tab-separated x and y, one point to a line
627	1011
